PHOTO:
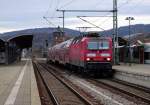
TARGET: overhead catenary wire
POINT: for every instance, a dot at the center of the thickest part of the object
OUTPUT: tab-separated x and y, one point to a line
54	12
125	3
66	4
50	6
63	11
57	4
120	6
58	1
50	23
97	4
90	23
53	8
138	2
45	15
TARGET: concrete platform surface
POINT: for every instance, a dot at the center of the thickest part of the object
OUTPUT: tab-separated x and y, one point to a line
18	85
138	74
139	69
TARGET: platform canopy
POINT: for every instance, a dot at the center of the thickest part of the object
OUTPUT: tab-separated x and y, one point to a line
2	45
21	40
122	41
2	42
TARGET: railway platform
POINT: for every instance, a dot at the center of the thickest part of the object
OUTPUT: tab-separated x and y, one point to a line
136	73
18	84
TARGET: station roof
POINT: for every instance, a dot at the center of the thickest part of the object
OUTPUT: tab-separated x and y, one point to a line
2	40
22	40
122	41
2	43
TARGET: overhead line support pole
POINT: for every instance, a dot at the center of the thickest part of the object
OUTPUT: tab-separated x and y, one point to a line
63	22
115	33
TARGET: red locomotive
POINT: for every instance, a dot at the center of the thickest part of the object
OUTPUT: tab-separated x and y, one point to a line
87	54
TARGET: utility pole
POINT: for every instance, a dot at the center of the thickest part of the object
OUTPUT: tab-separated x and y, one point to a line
129	39
115	33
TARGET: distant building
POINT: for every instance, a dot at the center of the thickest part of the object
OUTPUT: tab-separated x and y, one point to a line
143	37
140	47
59	37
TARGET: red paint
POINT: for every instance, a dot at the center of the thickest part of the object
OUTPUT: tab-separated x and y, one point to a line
76	51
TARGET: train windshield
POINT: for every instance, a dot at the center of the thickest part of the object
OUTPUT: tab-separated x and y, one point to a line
98	45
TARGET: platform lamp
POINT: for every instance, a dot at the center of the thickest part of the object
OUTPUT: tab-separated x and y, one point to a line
129	38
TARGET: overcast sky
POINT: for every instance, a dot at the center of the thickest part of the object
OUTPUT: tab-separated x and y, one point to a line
25	14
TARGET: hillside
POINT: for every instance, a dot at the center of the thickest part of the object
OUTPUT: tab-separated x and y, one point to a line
123	31
42	34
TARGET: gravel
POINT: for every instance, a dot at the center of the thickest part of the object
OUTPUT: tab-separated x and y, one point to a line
105	96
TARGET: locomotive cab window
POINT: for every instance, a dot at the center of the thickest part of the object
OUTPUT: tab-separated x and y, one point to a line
104	45
93	45
98	45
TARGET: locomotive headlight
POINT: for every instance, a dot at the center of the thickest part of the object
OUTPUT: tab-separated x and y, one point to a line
105	54
88	59
108	59
91	55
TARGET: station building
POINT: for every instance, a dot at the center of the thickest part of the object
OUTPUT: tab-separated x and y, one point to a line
140	49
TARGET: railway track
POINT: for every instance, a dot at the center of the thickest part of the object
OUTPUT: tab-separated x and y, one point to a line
43	90
54	90
137	94
130	91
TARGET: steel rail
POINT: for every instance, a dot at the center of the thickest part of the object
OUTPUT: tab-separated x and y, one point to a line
144	99
86	101
55	101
